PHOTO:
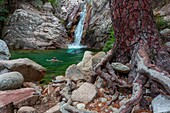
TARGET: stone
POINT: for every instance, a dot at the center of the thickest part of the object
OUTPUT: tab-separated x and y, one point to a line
74	73
97	58
85	93
30	70
11	80
27	109
29	28
86	63
167	44
54	109
59	78
80	106
99	82
165	31
8	108
19	97
120	67
103	99
161	104
4	51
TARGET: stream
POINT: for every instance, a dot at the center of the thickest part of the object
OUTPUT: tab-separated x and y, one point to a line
68	56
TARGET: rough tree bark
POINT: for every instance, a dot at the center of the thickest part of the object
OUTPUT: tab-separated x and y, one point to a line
137	43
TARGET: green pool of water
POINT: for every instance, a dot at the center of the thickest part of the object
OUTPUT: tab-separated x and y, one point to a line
72	56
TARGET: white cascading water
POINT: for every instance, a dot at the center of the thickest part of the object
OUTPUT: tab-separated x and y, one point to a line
79	31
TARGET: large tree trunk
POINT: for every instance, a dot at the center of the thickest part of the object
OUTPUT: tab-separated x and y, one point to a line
137	43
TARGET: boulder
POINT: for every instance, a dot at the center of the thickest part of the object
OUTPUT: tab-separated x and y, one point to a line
54	109
11	80
86	63
27	109
30	70
74	73
4	51
85	93
29	28
18	98
161	104
120	67
97	58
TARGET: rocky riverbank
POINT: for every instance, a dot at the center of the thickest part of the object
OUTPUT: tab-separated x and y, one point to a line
78	91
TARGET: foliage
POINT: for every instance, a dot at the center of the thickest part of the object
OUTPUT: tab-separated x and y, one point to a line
160	23
109	44
54	2
37	3
3	11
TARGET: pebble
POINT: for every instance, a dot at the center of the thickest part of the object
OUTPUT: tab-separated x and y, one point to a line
103	99
81	106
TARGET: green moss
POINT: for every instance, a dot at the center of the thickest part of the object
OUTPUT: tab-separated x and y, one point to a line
160	23
109	44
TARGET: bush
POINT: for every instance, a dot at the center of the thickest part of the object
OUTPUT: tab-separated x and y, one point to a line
160	23
109	44
54	2
3	11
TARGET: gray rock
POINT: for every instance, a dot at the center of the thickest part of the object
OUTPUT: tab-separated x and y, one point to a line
54	109
167	44
4	51
99	82
74	73
97	58
85	93
161	104
103	99
27	109
120	67
81	106
165	31
29	28
11	80
30	70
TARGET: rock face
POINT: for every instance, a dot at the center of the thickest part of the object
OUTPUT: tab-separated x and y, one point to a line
29	28
98	32
30	70
85	93
161	104
4	51
11	80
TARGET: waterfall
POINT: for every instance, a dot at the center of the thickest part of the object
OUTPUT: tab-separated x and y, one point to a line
79	31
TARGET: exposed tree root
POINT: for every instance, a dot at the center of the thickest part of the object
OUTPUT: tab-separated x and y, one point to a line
142	70
136	97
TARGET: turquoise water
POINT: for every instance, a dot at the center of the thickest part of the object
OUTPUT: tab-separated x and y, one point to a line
72	56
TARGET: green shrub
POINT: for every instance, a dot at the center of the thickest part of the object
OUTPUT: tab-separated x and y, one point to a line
54	2
3	11
160	23
109	44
